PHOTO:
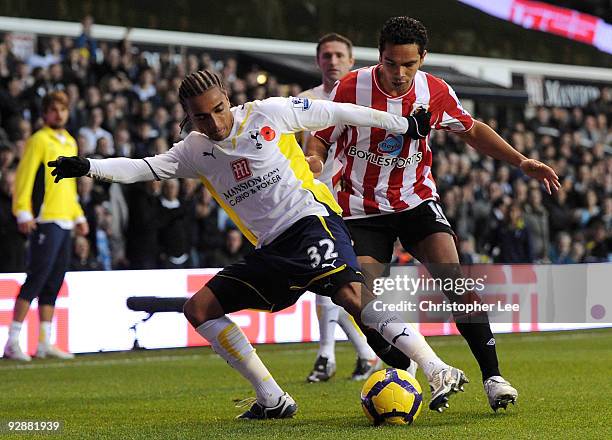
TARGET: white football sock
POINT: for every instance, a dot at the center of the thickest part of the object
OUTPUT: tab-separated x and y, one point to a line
327	312
355	335
229	342
404	336
44	334
14	331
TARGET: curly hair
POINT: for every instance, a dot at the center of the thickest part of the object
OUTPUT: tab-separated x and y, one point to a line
196	84
403	30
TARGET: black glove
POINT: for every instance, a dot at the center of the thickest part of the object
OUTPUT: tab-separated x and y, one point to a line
64	167
418	124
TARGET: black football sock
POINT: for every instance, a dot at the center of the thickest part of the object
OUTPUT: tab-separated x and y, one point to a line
482	343
389	354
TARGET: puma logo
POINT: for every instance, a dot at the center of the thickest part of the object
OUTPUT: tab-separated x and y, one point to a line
212	153
332	264
395	338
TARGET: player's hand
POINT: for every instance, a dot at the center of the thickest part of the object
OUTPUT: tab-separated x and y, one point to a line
81	229
26	227
64	167
316	165
542	172
419	124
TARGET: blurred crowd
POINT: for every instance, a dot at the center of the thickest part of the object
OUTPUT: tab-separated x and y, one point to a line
124	102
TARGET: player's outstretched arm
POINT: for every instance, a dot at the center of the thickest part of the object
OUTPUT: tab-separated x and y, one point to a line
415	126
484	139
293	115
120	169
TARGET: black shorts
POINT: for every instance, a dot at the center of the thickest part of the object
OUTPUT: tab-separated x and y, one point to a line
375	236
313	254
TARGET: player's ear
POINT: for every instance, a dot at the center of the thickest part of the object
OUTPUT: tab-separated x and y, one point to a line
423	56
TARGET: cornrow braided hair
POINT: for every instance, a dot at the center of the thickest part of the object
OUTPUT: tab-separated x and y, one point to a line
195	84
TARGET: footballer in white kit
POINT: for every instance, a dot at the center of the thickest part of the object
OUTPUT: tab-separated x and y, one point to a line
250	161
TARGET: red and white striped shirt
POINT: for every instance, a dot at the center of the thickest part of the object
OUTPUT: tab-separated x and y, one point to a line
383	173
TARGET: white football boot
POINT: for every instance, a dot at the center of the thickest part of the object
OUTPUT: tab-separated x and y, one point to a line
51	351
500	392
12	350
444	383
284	409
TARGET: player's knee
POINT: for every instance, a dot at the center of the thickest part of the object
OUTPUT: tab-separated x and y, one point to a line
26	295
202	307
349	298
47	299
194	313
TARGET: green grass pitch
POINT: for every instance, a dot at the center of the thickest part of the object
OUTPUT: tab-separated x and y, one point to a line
564	380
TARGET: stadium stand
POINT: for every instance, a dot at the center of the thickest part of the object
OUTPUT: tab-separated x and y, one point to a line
125	103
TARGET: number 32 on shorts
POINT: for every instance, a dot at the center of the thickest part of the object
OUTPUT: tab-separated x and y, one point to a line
314	253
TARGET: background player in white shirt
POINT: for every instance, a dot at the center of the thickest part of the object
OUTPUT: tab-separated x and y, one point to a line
249	159
388	191
335	59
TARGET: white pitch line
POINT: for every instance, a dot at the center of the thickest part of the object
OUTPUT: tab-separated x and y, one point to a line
88	363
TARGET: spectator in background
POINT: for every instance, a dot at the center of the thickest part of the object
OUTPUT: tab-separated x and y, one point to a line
145	88
467	251
520	191
514	238
600	244
174	233
94	131
559	212
86	43
560	253
142	244
82	259
12	106
12	243
7	158
590	210
231	252
578	252
123	143
188	197
207	218
606	216
103	236
536	219
143	140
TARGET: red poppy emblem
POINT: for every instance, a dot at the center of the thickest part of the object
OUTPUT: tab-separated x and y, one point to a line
267	133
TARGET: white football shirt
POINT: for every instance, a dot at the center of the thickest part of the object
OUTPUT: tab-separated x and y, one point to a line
258	174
